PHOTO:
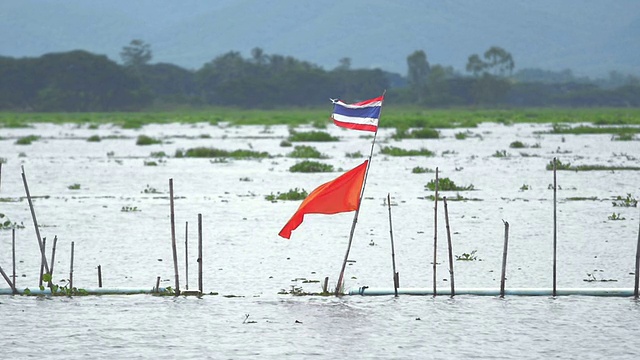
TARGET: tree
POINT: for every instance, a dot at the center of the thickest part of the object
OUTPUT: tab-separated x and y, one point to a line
344	64
499	61
418	74
475	65
136	54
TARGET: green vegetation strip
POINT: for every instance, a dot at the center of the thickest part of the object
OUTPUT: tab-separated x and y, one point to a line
580	130
204	152
395	116
568	166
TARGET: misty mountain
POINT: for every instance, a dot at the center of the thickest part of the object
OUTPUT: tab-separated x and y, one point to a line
590	37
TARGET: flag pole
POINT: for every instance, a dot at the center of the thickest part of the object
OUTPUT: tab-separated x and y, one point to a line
355	215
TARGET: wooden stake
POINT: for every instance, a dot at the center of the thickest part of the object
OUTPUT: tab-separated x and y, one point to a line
186	255
173	239
35	222
13	254
446	219
504	258
435	236
71	268
99	276
200	253
325	286
393	253
637	274
158	284
53	254
555	229
44	246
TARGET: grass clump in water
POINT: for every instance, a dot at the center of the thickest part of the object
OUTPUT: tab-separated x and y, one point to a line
615	216
446	184
422	170
318	136
628	201
147	140
354	155
395	151
581	130
517	145
500	154
285	143
292	194
204	152
568	166
27	140
311	167
94	138
74	187
306	152
423	133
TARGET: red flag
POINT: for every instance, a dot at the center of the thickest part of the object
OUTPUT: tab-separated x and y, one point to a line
339	195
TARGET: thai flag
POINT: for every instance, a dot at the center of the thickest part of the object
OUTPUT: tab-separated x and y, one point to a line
362	115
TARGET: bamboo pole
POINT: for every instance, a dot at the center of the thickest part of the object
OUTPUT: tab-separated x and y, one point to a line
504	257
6	278
325	286
393	253
435	236
637	274
44	246
71	268
446	219
13	254
158	284
99	276
200	253
186	255
555	228
173	238
355	215
35	222
53	254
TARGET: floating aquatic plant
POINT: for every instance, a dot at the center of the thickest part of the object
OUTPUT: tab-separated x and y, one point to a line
446	184
421	170
395	151
517	145
467	256
311	166
500	154
147	140
354	155
319	136
204	152
94	138
306	152
74	187
628	201
292	194
615	216
27	140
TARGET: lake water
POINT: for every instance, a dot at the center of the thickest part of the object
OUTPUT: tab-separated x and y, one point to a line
248	265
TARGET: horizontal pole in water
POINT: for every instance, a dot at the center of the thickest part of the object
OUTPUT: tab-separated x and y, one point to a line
99	291
620	292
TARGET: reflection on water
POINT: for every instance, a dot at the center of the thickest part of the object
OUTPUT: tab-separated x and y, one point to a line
247	262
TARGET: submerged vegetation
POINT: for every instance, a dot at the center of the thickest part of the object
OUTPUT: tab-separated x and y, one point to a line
628	201
581	130
204	152
567	166
147	140
311	167
292	194
317	136
27	140
446	184
306	152
395	151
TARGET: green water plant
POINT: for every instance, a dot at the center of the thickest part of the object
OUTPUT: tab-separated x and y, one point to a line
204	152
354	155
421	133
306	152
421	170
292	194
628	201
285	143
446	184
500	154
467	256
517	145
94	138
525	187
66	290
27	140
150	190
615	216
395	151
144	140
129	209
74	187
310	167
318	136
7	224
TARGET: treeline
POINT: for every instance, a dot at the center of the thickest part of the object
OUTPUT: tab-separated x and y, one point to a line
79	81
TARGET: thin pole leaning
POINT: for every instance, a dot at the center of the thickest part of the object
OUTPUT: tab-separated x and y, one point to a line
186	255
435	236
637	274
555	229
393	252
13	254
35	223
173	238
53	254
6	278
44	245
504	257
200	253
355	215
446	219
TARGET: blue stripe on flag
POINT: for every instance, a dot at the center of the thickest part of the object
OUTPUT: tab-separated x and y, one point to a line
367	112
